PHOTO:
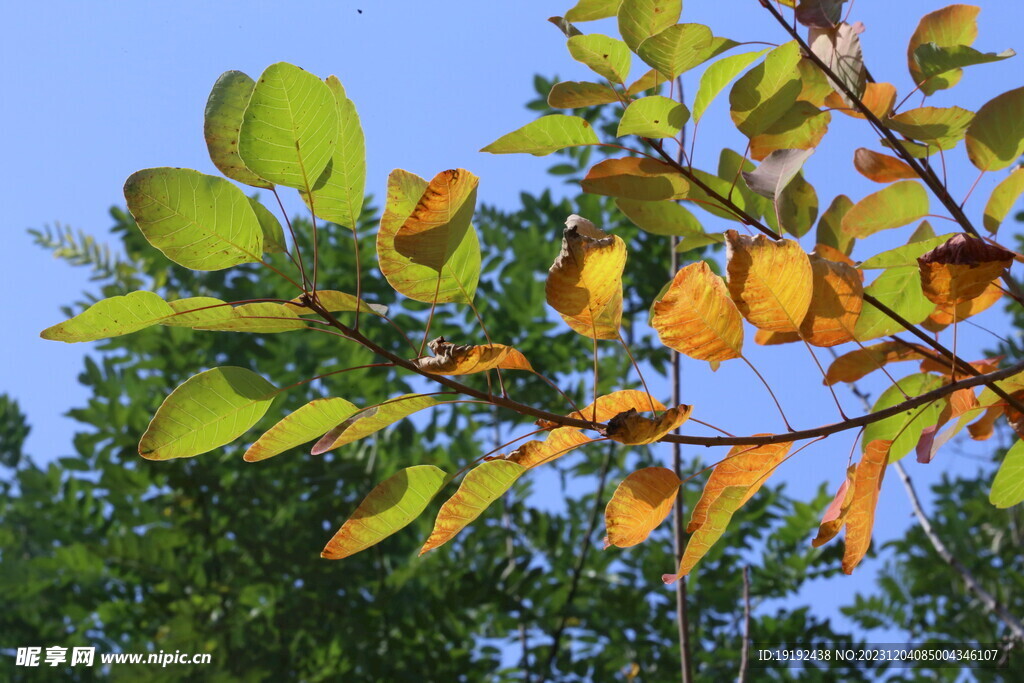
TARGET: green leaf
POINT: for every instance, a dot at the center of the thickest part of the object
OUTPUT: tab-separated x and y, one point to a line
1002	199
290	128
221	124
900	290
906	255
721	187
660	218
264	317
335	301
273	233
635	178
545	135
389	507
592	10
208	411
830	230
111	317
198	310
1008	485
939	126
481	486
766	92
923	232
651	80
955	25
459	276
802	127
717	76
653	117
641	19
995	139
677	49
337	195
198	221
307	423
719	515
372	419
576	94
606	56
908	424
933	60
891	207
797	207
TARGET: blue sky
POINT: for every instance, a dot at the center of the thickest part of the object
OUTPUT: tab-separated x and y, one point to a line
96	91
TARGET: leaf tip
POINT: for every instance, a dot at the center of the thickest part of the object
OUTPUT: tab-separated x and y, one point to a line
669	579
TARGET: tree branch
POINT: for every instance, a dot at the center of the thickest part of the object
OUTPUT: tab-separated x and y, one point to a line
744	653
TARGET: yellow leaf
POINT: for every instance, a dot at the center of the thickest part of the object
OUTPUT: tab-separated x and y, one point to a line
633	429
610	405
450	359
697	318
770	281
766	338
867	483
836	302
878	97
438	223
838	509
961	269
559	442
718	515
640	503
854	365
881	168
948	27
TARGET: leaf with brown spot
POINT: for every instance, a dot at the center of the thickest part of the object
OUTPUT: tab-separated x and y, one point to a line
575	94
836	303
879	167
961	269
943	316
879	98
450	359
867	484
633	429
640	503
835	515
697	317
770	281
854	365
637	178
335	302
439	222
719	514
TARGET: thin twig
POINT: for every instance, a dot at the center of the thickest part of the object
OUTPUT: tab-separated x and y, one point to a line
744	651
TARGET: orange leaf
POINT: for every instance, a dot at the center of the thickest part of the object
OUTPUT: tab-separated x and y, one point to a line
610	405
942	317
640	503
559	442
633	429
719	513
697	318
744	466
984	427
961	269
879	167
586	279
960	402
766	338
867	483
637	178
434	230
770	281
943	366
450	359
836	301
838	509
879	98
832	254
851	366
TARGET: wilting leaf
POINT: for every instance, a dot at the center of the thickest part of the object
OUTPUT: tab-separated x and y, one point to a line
770	281
1008	485
947	27
718	75
559	442
633	429
718	516
111	317
941	127
608	57
437	226
942	316
265	317
767	91
640	503
482	485
835	515
677	49
835	304
450	359
776	171
1002	199
574	94
545	135
591	10
879	98
207	411
891	207
273	234
830	231
221	123
697	317
744	467
566	27
305	424
995	139
819	13
636	178
860	519
653	117
839	48
961	402
390	506
198	221
641	19
373	419
961	269
460	275
290	127
800	128
660	218
338	193
881	168
906	255
610	405
861	362
335	302
900	290
907	425
933	60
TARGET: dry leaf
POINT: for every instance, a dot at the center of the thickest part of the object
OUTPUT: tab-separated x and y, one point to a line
838	509
961	269
633	429
450	359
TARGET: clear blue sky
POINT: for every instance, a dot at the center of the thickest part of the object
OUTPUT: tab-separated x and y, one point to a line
95	91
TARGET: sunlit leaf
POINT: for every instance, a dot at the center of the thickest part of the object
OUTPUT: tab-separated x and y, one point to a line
961	269
591	10
198	310
559	442
835	515
389	507
943	316
718	75
718	516
770	281
265	317
207	411
1003	198
641	19
111	317
800	128
639	505
290	127
723	188
633	429
942	127
881	168
835	303
636	178
335	302
221	123
434	231
900	290
373	419
830	232
860	519
879	98
933	60
861	362
995	139
608	57
574	94
796	208
960	403
305	424
839	49
273	233
677	49
653	117
697	317
610	405
545	135
660	218
1008	485
482	485
198	221
891	207
652	80
450	359
766	92
906	255
947	27
904	429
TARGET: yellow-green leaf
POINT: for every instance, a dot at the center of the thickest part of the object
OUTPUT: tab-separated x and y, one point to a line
948	27
111	317
891	207
718	75
941	127
1008	485
574	94
434	231
305	424
906	255
995	138
677	49
899	289
719	515
591	10
273	233
653	117
641	19
545	135
766	92
830	232
908	425
265	317
373	419
660	217
1002	199
221	123
608	57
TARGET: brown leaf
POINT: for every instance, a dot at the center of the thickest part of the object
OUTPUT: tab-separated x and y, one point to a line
838	509
697	318
633	429
854	365
879	167
434	230
640	503
867	483
450	359
770	281
961	269
835	303
984	427
941	366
